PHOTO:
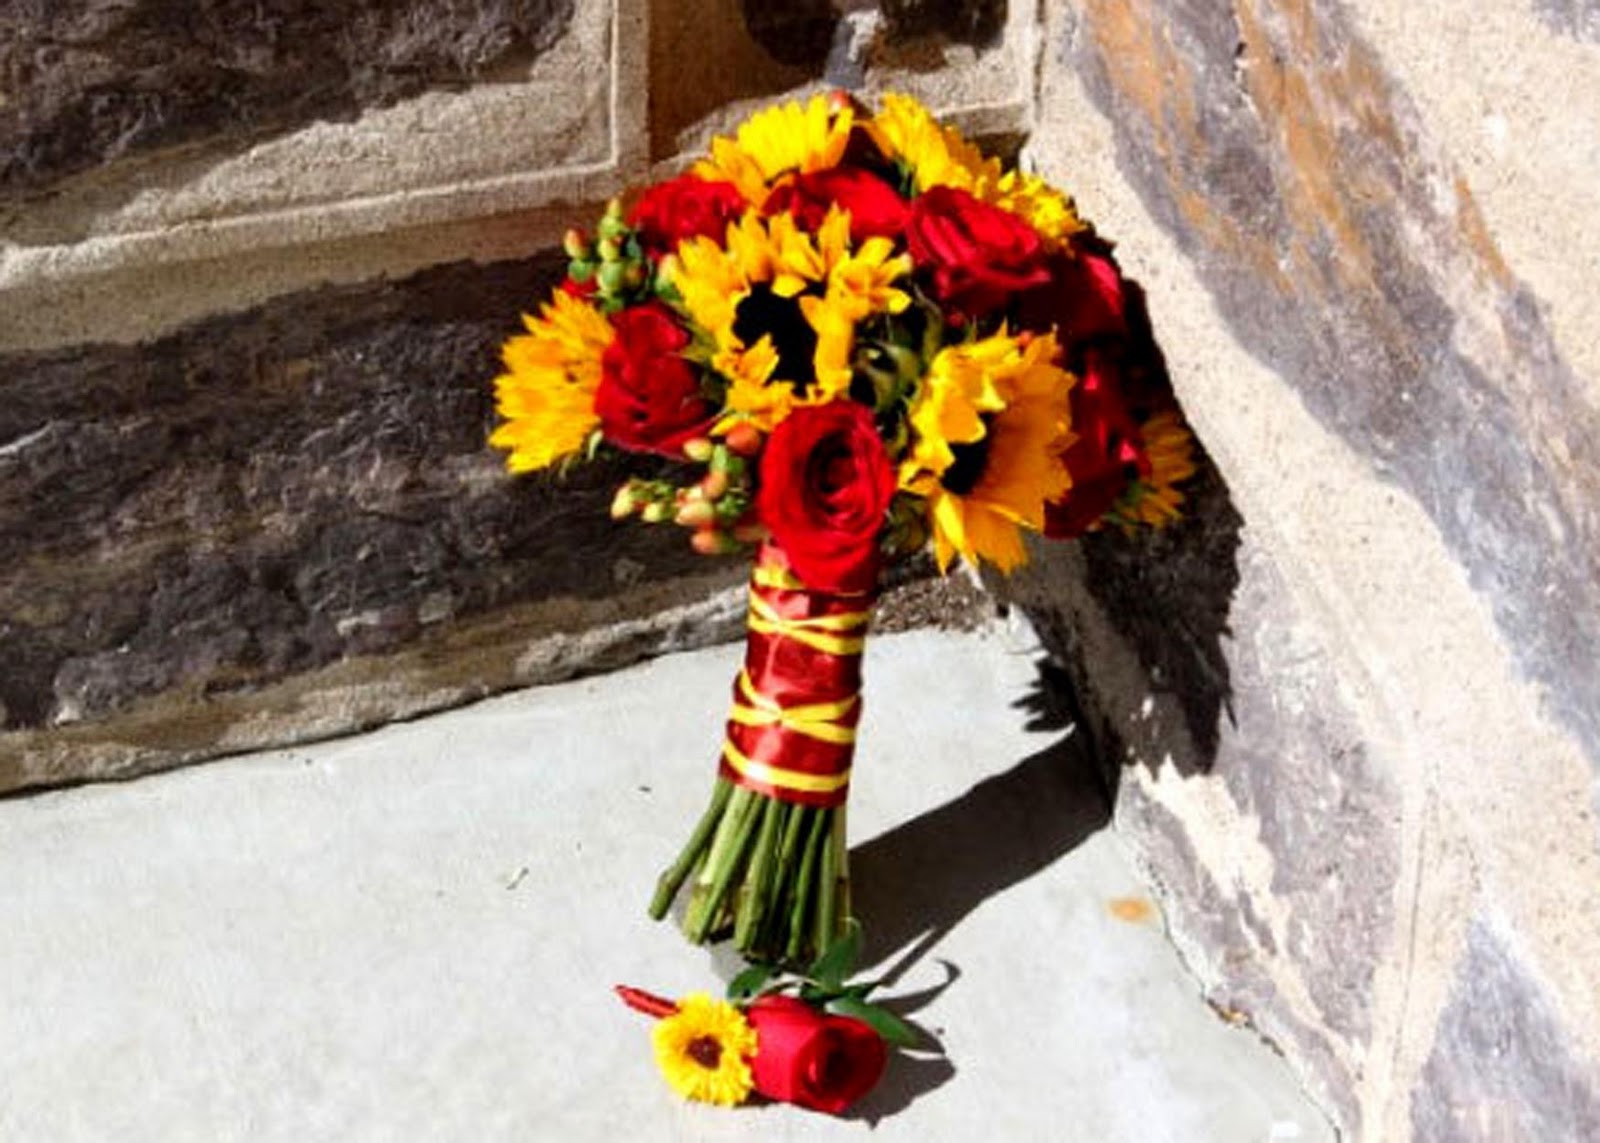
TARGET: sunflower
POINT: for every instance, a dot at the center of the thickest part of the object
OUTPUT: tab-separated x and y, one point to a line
704	1050
781	307
776	141
1047	210
990	426
546	395
1154	498
936	155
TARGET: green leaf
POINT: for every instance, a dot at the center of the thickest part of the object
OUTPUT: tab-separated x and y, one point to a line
862	989
893	1029
838	960
750	982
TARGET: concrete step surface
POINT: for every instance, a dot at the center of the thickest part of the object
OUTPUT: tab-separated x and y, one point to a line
412	934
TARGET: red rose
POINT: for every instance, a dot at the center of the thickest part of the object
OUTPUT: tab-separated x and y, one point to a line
1084	299
975	256
649	397
825	486
810	1058
1106	454
876	208
685	207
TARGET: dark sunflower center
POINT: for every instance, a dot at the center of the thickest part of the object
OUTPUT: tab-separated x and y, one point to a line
764	312
970	461
706	1051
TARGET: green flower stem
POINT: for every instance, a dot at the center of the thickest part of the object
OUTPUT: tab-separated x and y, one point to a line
672	880
759	883
724	865
800	924
827	912
841	849
774	935
770	873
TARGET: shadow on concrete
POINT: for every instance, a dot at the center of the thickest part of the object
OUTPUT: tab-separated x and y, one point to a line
918	881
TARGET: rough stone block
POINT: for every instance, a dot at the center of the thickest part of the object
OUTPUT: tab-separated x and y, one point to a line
430	124
1355	694
296	489
95	83
1496	1013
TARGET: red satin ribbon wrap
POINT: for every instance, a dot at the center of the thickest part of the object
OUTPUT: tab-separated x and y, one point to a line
803	658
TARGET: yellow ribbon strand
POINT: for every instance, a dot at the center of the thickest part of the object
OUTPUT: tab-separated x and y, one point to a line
816	720
782	579
781	779
823	632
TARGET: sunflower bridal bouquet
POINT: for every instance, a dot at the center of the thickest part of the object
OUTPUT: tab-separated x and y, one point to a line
854	336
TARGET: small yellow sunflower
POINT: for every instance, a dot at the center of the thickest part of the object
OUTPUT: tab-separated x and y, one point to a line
936	155
704	1050
776	141
546	395
1047	210
1154	499
781	308
990	425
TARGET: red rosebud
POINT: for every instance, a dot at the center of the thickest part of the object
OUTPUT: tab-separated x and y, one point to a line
743	439
584	289
649	397
813	1059
685	207
975	257
1106	454
876	208
825	486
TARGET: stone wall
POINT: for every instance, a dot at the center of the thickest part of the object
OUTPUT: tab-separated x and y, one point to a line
254	265
1354	695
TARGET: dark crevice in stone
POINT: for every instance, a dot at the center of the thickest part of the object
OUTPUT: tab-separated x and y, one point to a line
797	33
976	22
87	84
1354	324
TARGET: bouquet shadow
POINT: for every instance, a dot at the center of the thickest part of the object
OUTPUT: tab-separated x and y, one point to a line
921	879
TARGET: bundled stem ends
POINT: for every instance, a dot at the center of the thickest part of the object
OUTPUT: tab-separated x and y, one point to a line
767	863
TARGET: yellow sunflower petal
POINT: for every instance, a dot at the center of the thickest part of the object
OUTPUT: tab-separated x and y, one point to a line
1155	500
990	425
830	285
936	155
775	141
546	395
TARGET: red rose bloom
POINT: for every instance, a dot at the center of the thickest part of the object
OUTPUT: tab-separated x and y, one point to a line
825	485
810	1058
1106	454
685	207
974	256
1085	299
649	397
876	209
